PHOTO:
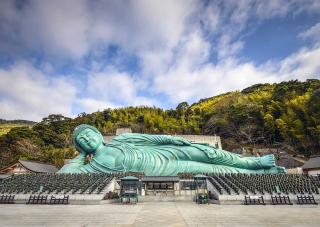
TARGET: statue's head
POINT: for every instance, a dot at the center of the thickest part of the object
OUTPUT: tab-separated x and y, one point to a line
87	138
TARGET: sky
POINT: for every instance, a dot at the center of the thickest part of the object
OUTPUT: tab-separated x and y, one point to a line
72	56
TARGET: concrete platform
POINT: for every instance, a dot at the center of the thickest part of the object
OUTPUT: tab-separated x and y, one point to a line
158	214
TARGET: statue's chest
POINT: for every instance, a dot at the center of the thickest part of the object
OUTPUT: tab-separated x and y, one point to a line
110	158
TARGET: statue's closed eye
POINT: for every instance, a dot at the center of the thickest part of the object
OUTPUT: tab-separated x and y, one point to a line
81	140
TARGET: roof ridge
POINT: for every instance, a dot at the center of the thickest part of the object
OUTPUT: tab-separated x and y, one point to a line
35	162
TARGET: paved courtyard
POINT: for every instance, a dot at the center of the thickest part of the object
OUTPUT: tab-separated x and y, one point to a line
158	214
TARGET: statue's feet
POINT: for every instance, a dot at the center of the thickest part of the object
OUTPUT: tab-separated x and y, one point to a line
276	169
268	161
281	169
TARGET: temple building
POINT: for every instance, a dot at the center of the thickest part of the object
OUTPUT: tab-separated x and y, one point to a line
23	166
157	185
312	166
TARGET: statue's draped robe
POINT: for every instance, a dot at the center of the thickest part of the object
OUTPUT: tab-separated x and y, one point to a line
164	155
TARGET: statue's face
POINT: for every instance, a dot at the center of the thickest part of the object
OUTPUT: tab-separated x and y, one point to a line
89	140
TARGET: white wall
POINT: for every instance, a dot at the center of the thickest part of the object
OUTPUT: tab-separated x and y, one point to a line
314	172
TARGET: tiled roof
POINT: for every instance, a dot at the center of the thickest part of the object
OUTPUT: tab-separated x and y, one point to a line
129	178
312	163
160	178
38	167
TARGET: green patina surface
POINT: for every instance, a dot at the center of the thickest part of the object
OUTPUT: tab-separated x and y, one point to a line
158	155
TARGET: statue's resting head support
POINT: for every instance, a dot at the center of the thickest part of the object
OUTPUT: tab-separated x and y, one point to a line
87	138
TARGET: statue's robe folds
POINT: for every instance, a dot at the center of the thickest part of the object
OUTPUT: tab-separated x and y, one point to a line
161	155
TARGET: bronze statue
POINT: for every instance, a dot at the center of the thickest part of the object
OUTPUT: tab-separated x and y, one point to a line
158	155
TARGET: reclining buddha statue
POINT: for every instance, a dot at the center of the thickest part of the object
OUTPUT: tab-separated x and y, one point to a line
158	155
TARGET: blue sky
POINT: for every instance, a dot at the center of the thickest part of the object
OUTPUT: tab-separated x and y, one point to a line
73	56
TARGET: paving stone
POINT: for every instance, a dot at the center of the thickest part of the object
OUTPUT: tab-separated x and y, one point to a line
158	214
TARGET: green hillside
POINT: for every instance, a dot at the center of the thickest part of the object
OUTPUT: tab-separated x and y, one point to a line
264	115
6	126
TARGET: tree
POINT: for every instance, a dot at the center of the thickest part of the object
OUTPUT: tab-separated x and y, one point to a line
182	107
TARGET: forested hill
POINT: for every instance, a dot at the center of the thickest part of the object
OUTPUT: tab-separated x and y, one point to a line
264	115
6	126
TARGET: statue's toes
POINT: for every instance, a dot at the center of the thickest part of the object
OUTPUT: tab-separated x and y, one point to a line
272	159
268	160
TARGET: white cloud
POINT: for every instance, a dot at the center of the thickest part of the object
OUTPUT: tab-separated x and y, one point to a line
272	8
182	84
193	51
210	17
89	105
304	64
312	33
227	48
117	87
233	17
74	28
56	28
153	62
112	85
175	43
26	93
198	79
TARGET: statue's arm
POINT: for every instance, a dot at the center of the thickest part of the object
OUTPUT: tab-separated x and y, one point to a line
142	139
74	165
